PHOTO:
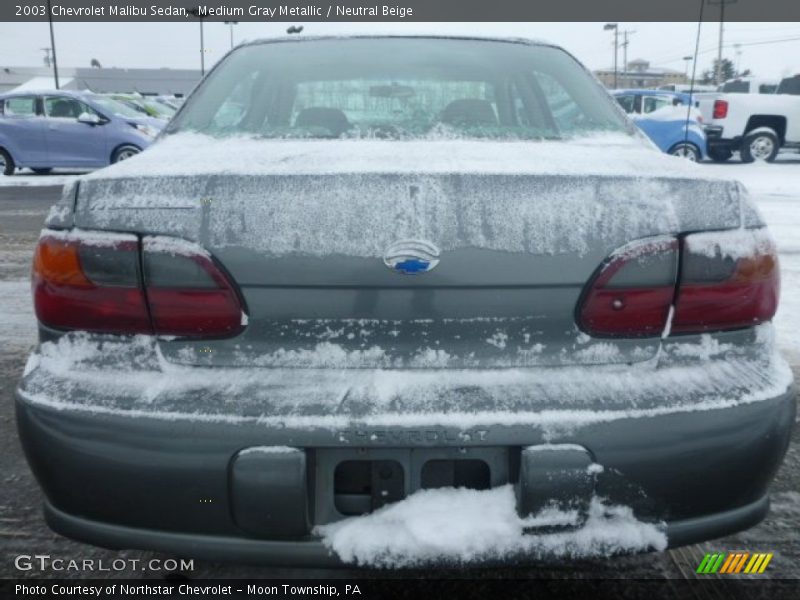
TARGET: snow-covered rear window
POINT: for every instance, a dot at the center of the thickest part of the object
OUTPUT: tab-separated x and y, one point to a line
399	88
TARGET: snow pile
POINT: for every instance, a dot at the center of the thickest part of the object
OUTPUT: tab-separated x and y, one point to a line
462	526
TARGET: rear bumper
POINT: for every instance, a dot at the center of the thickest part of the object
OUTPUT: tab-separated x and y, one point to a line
136	482
312	553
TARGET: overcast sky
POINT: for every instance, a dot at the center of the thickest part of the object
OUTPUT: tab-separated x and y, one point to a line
768	49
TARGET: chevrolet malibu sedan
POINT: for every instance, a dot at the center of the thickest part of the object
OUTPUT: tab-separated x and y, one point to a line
69	129
403	300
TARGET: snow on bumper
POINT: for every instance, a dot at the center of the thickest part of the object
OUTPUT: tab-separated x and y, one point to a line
143	449
132	379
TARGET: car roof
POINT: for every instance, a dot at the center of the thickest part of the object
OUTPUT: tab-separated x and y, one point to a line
74	93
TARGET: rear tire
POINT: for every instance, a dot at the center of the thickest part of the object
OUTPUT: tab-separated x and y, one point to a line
7	165
762	146
124	153
686	150
40	171
719	155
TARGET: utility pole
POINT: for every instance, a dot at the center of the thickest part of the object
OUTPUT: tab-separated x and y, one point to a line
230	25
53	44
722	5
615	27
625	42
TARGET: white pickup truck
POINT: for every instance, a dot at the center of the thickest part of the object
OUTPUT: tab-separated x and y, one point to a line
755	125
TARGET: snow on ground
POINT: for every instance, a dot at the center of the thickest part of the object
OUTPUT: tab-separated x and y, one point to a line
17	322
28	178
463	525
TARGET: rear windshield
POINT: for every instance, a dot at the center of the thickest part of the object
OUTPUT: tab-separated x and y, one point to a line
400	88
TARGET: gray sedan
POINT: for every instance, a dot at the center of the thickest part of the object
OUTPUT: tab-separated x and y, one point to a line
397	300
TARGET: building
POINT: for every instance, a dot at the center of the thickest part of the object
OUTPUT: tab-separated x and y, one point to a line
172	82
639	74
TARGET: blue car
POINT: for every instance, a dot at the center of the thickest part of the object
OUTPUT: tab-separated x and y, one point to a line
661	115
43	130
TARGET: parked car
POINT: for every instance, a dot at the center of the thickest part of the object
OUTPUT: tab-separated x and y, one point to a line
403	271
668	120
749	85
150	106
43	130
757	126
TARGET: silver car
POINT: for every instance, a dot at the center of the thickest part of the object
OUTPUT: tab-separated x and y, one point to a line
365	288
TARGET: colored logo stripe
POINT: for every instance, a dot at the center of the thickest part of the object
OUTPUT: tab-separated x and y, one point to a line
711	563
735	562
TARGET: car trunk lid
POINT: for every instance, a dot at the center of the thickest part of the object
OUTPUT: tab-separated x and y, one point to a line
520	229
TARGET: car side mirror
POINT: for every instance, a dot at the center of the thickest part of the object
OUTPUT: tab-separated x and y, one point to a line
89	119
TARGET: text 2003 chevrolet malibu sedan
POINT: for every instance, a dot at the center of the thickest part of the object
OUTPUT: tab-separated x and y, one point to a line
391	300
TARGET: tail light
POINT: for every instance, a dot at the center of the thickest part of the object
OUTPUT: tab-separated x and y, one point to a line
631	293
187	292
728	280
720	109
113	283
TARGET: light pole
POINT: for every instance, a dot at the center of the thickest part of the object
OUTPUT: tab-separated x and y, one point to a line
615	27
200	16
230	25
625	42
687	59
53	44
722	4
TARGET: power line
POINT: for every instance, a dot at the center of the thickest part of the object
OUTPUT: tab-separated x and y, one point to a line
729	45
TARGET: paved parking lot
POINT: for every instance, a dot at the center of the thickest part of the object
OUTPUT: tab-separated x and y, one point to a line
23	531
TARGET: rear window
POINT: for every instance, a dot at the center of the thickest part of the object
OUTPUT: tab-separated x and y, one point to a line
20	106
736	87
115	107
790	85
399	88
654	103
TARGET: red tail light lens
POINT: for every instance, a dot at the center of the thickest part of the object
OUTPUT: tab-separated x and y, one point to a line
631	294
71	286
729	280
720	109
189	295
94	282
